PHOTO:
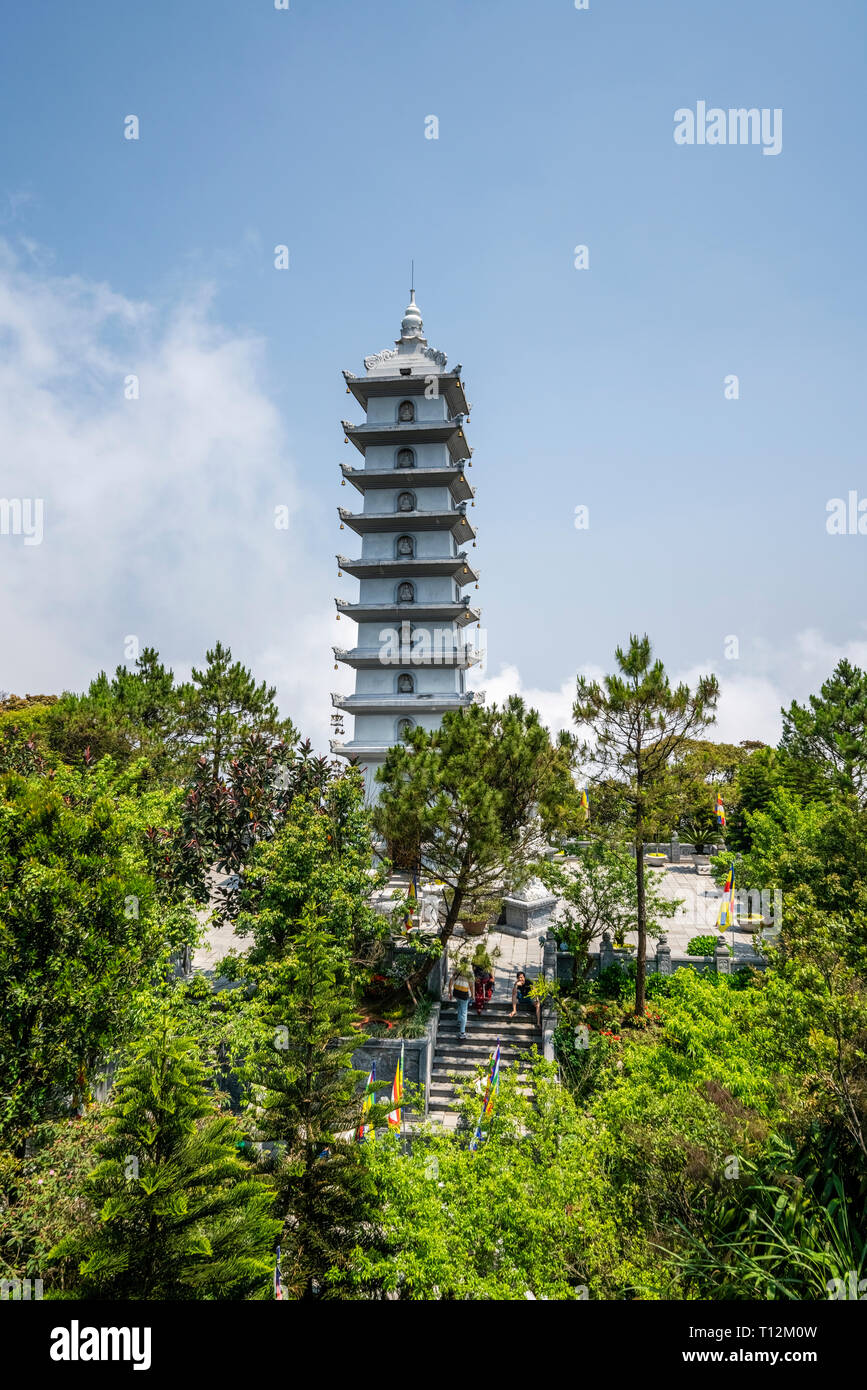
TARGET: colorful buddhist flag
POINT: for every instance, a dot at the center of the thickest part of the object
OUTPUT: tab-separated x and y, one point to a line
725	916
367	1103
412	895
394	1116
491	1092
720	812
493	1083
585	804
278	1287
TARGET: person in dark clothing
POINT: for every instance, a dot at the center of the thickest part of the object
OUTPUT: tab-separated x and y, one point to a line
521	995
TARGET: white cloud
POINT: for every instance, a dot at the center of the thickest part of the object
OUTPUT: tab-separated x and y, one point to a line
159	512
750	701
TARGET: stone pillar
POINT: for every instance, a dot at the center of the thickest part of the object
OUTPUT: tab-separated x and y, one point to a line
674	848
606	952
722	961
663	955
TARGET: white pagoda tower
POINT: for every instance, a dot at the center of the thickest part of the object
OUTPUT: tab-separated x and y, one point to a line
410	654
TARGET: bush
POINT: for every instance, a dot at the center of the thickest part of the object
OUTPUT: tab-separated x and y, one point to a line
617	982
703	946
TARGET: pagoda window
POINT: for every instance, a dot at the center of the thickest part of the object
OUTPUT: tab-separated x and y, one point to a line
405	684
405	458
406	412
406	502
404	729
405	547
406	592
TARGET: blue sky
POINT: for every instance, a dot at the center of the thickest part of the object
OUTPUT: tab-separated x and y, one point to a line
601	387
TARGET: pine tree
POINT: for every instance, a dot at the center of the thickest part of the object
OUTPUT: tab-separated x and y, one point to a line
181	1216
471	797
641	725
223	703
307	1098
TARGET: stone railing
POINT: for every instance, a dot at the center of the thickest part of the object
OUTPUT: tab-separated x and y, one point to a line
664	961
548	1012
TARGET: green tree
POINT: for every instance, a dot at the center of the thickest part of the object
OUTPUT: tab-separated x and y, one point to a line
135	714
318	862
83	934
306	1102
475	795
599	893
755	782
222	704
181	1215
825	744
531	1211
641	725
698	772
815	851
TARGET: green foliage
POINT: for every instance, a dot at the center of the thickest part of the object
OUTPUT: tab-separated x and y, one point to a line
825	745
318	862
466	795
222	822
641	727
815	851
757	779
703	945
532	1210
222	705
785	1229
83	934
42	1195
306	1101
599	891
698	772
132	715
24	744
181	1215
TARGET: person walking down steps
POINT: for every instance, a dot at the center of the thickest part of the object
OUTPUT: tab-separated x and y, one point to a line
461	987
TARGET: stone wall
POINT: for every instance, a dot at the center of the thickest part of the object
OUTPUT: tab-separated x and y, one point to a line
418	1056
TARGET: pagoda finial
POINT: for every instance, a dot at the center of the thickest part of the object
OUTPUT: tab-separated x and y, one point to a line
411	324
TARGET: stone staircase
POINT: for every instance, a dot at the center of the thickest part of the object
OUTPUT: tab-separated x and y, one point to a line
464	1059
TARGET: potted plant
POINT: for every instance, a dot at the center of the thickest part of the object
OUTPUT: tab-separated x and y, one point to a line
477	914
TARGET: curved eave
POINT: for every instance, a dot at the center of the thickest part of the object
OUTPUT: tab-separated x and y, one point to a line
366	479
400	704
449	432
371	659
365	523
354	751
458	613
449	385
449	567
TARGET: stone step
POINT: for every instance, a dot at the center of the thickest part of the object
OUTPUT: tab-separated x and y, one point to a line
492	1018
479	1055
502	1025
445	1090
485	1032
484	1054
493	1006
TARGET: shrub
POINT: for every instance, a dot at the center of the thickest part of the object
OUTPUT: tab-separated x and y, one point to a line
703	946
